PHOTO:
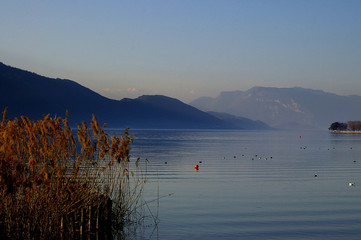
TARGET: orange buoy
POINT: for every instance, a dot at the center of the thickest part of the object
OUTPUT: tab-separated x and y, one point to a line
196	167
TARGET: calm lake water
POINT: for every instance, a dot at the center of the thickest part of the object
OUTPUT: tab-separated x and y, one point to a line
251	184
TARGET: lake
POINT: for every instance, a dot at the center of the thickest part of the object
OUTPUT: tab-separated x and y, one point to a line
250	184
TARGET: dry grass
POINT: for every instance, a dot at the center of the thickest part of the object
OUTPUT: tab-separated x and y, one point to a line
50	176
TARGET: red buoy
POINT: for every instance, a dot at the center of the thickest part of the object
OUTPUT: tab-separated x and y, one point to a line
196	167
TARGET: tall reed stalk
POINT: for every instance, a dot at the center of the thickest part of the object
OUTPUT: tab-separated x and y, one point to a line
51	175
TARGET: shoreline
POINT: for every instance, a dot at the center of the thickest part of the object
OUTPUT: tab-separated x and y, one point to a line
347	131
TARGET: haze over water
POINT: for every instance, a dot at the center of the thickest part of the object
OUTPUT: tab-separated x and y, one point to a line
252	184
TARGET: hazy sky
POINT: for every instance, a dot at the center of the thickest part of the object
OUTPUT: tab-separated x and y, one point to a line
186	49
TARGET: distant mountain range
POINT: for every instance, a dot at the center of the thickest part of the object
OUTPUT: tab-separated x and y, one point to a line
285	107
26	93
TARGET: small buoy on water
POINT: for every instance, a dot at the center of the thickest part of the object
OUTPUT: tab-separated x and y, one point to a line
196	167
200	161
351	184
316	175
165	163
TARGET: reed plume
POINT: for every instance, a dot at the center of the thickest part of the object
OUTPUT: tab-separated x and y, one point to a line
50	174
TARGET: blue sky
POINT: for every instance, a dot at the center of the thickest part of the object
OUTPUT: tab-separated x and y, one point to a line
186	49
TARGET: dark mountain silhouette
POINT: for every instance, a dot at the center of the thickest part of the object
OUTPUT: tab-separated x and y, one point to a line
241	122
285	107
26	93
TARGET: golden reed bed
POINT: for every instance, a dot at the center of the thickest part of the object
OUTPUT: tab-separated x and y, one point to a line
57	182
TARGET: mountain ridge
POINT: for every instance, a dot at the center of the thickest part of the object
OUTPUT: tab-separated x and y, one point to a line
33	95
279	107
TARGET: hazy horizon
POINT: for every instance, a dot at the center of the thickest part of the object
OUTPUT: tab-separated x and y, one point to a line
217	94
186	49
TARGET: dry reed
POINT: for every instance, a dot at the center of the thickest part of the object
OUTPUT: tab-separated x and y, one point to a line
52	179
